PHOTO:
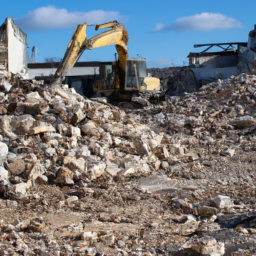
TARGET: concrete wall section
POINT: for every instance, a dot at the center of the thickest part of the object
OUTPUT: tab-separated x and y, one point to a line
75	71
33	72
213	73
3	46
17	47
219	61
78	71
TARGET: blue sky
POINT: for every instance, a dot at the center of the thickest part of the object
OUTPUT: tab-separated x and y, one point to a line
162	31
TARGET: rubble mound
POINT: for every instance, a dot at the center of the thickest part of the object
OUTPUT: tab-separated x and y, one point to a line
83	177
175	80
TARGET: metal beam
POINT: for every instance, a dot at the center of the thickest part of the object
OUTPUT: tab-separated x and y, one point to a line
216	44
208	48
220	46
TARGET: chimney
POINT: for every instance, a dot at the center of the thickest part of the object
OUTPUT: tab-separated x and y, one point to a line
254	26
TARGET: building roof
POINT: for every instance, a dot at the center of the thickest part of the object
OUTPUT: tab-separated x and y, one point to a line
78	64
205	54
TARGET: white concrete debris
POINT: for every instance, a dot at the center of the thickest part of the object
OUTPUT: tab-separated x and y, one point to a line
222	201
3	152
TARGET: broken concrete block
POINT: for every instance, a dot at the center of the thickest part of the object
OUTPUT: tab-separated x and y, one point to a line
60	92
152	143
3	174
98	150
112	170
90	129
118	129
97	170
5	127
33	95
16	167
206	211
129	171
190	187
89	236
21	188
36	171
41	127
32	106
83	152
193	121
42	180
243	121
6	86
64	176
222	202
161	152
76	164
241	230
141	145
206	246
164	164
186	207
192	155
21	124
157	165
79	114
74	131
106	140
176	150
50	151
72	199
3	152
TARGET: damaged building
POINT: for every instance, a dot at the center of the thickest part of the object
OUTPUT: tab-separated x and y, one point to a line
13	47
210	66
234	58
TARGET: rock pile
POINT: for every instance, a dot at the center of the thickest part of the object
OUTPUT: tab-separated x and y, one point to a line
175	80
83	177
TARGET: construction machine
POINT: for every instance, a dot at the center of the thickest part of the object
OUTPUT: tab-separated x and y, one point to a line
120	81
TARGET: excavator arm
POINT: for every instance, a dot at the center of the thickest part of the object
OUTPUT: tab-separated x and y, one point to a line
117	36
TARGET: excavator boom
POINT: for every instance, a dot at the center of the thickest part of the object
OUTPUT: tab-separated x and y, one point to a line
117	36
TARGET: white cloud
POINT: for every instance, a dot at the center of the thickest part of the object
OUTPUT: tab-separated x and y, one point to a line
49	17
159	27
205	21
161	62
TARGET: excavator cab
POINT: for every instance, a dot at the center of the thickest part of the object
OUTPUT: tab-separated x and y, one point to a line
135	78
107	75
136	71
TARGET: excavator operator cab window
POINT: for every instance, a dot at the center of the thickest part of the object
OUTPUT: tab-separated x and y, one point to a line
107	76
135	73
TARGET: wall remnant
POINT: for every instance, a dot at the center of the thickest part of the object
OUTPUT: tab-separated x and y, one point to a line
13	47
3	46
211	66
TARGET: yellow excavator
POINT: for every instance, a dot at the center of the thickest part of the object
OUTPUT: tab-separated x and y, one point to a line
122	80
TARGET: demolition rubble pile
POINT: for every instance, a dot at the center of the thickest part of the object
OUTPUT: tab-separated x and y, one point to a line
175	80
82	177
